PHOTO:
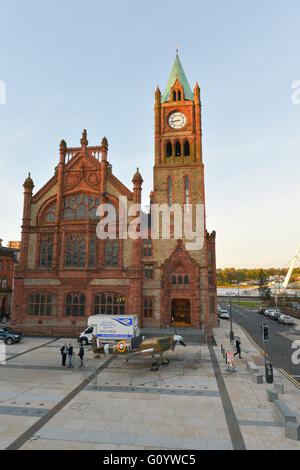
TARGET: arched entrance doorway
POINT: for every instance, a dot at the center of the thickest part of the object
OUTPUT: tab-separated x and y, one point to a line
180	311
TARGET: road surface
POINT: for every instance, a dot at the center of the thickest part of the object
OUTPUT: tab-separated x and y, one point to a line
278	348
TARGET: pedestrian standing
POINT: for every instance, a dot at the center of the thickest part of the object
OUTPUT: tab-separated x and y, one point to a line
81	354
63	351
238	347
70	355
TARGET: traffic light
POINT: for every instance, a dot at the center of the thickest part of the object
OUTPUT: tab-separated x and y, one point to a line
266	333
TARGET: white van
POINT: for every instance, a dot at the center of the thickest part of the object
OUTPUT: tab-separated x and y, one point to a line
110	328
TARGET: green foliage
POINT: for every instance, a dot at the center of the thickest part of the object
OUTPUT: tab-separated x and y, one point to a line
229	276
264	290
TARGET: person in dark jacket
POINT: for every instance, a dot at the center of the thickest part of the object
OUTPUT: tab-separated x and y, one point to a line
63	351
70	355
81	354
238	347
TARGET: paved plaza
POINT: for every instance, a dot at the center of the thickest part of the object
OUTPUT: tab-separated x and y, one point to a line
194	403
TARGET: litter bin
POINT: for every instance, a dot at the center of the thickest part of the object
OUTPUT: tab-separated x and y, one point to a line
269	373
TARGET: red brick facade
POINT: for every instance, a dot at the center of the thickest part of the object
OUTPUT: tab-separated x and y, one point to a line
7	263
66	273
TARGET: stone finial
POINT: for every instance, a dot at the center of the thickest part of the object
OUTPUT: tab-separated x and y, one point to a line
28	182
157	95
197	92
104	144
63	145
137	178
84	140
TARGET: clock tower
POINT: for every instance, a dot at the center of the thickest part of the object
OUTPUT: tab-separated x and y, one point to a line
188	277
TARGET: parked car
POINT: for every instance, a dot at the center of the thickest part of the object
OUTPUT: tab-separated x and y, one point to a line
261	310
9	336
224	314
275	315
286	320
268	311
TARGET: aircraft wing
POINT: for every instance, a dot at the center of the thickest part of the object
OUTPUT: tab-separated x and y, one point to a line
145	352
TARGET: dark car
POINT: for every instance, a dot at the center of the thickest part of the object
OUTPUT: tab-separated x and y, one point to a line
10	336
262	310
275	315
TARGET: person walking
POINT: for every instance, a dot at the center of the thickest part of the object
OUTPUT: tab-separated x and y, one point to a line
238	347
70	355
81	354
63	351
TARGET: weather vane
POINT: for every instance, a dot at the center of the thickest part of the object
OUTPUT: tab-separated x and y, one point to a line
177	47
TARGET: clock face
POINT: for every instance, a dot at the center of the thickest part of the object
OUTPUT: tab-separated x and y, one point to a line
177	120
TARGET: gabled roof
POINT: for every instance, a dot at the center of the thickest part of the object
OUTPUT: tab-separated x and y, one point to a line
177	72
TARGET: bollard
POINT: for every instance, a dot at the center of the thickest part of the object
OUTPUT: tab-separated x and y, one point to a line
257	378
278	387
272	395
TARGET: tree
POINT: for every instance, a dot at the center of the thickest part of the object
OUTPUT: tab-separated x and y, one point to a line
264	289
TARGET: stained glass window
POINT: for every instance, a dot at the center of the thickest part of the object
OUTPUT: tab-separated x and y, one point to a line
46	252
80	207
51	213
92	251
75	250
112	253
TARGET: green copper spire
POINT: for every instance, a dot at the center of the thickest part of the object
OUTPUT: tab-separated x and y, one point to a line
177	72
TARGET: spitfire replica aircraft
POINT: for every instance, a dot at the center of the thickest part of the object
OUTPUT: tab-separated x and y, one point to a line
139	346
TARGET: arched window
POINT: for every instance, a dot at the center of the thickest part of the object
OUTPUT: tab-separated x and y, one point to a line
186	191
177	149
4	284
42	304
109	304
186	280
75	250
112	253
50	215
170	192
179	95
46	252
180	281
147	248
75	305
169	149
92	251
186	148
174	95
80	206
173	280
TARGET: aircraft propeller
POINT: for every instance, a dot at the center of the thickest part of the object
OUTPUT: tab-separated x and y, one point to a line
177	338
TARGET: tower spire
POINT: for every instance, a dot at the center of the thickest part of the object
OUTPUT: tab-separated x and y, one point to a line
177	72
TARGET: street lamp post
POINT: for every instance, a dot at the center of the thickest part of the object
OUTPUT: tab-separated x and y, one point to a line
231	335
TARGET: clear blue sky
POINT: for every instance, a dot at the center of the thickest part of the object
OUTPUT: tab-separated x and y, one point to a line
70	65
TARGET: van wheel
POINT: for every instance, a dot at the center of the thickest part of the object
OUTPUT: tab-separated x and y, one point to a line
9	341
84	342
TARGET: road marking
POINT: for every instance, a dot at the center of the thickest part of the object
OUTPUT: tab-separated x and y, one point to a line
283	371
253	342
291	379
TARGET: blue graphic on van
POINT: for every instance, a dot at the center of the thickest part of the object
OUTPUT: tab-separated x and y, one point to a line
124	321
114	336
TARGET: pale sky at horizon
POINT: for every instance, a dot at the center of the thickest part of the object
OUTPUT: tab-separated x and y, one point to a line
69	65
